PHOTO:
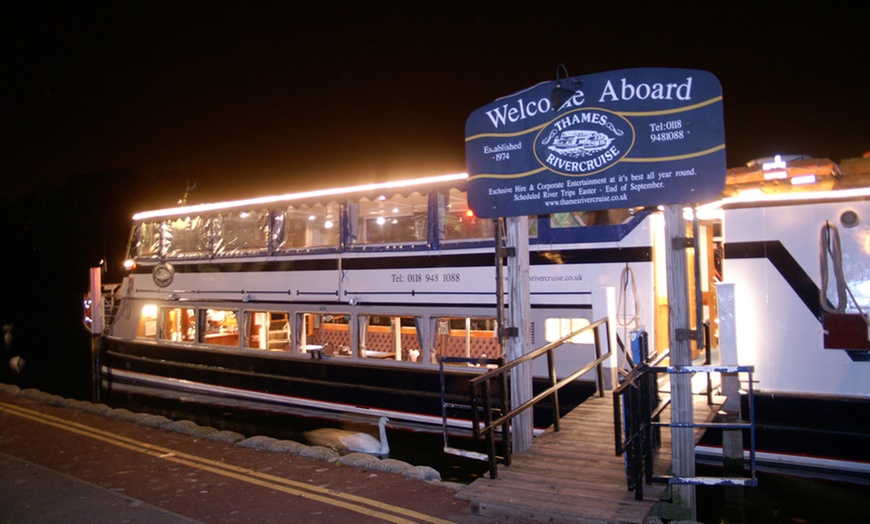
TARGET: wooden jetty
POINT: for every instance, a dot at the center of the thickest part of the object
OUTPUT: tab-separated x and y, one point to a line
572	475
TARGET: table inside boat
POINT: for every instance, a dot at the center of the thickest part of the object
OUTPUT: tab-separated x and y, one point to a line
315	350
379	354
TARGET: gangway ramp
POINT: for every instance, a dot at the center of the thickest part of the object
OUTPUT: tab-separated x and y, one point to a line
572	475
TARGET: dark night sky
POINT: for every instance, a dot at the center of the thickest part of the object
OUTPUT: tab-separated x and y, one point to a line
244	98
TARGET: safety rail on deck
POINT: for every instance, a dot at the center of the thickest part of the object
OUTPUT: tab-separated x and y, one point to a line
501	407
637	424
635	434
499	417
106	310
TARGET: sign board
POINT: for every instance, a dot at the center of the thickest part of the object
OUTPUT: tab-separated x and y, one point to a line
628	138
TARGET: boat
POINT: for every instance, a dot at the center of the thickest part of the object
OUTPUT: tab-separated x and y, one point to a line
345	300
792	236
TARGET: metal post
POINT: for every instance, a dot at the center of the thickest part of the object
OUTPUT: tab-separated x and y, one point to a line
599	373
551	365
506	407
490	440
637	451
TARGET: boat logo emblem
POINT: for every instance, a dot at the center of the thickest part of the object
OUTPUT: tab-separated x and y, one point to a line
163	274
583	142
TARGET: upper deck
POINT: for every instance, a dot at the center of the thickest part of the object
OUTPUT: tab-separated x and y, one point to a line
429	214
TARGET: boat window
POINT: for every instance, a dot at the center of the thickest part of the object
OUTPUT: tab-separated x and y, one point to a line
221	327
186	237
466	337
328	333
390	337
396	220
241	232
556	328
456	221
149	240
268	330
306	226
178	324
148	322
602	217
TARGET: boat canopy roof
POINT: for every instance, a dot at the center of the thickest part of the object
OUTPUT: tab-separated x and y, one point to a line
321	195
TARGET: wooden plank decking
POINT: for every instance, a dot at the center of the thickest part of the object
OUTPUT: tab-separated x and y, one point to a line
572	475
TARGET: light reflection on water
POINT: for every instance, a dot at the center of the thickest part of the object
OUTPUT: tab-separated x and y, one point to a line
788	497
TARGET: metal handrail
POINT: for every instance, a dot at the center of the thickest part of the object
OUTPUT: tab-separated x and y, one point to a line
490	439
490	424
709	481
636	374
639	440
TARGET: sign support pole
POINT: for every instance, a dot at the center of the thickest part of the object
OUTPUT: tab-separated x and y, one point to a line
519	316
682	411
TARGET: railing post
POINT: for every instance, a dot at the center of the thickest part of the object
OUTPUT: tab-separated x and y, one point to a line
640	451
646	407
506	408
490	441
475	411
617	422
599	372
551	365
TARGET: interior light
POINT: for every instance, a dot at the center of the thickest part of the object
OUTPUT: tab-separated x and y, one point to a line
803	180
396	210
381	221
311	218
469	213
149	311
129	264
328	224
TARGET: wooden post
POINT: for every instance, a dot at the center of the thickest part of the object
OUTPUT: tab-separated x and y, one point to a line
519	316
682	409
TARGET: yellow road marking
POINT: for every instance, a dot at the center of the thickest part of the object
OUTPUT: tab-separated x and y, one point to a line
331	497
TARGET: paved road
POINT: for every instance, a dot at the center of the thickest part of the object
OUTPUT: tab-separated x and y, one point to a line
65	464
